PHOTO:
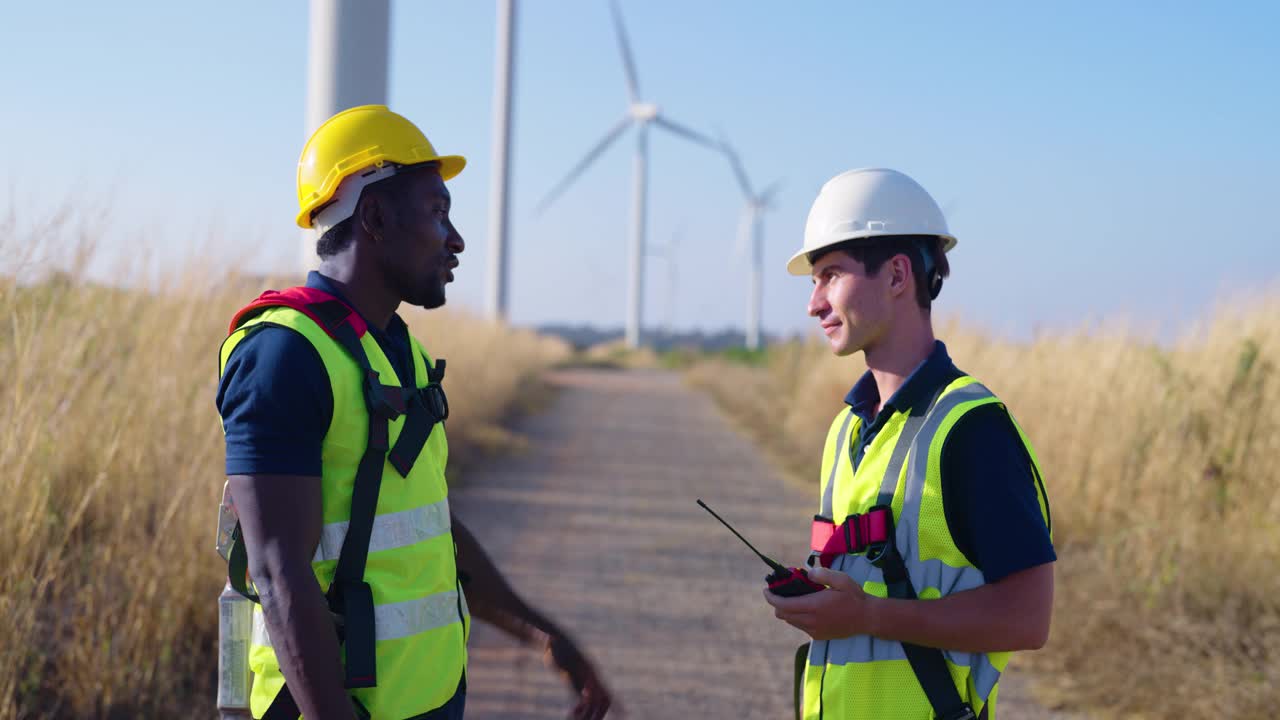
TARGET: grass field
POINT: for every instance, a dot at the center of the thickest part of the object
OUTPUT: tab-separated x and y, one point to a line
1160	461
113	462
1161	465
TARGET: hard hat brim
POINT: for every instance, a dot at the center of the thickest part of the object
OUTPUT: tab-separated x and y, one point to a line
450	166
799	263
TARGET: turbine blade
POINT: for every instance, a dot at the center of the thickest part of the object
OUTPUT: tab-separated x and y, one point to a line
586	160
686	133
624	45
738	172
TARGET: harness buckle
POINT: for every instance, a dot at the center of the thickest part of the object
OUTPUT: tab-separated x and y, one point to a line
381	400
434	400
870	532
879	530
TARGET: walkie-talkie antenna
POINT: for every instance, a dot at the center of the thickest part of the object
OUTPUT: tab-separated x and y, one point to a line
775	566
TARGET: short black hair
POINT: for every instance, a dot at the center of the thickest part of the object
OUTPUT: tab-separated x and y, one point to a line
336	239
874	252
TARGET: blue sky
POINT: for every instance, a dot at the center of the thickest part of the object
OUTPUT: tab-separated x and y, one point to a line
1094	158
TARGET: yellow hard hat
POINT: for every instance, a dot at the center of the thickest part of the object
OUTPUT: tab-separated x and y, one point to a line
355	139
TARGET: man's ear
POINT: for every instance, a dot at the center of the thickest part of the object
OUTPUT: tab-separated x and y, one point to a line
899	267
371	214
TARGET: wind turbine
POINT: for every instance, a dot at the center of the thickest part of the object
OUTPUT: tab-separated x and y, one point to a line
640	114
749	233
667	253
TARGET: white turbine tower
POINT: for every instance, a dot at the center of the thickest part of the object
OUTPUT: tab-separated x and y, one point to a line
500	183
751	239
346	66
641	114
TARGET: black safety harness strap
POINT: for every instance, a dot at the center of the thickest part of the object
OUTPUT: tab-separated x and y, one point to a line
350	598
349	595
426	407
797	684
928	663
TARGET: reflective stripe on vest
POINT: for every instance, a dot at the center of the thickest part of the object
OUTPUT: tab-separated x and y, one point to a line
393	530
839	669
393	620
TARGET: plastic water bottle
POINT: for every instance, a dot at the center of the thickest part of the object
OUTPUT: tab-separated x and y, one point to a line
235	619
235	625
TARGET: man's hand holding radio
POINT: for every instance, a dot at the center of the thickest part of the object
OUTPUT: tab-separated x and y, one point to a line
842	610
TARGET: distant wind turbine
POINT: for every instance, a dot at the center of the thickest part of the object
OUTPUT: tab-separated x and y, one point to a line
668	254
750	234
641	114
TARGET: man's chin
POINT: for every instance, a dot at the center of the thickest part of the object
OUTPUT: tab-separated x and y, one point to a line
844	347
837	344
430	301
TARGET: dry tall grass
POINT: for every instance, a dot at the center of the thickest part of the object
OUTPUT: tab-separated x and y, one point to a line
1161	465
113	467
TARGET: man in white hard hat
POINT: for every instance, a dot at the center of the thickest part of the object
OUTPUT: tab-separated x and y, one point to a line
934	539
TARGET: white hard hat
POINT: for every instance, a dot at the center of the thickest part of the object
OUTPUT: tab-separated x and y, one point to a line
864	203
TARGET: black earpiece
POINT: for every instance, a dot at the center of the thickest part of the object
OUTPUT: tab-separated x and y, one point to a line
931	273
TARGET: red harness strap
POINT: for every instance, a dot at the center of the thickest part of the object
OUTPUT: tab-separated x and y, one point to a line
326	310
857	533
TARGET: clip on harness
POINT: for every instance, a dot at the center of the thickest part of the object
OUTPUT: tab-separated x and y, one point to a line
872	533
349	597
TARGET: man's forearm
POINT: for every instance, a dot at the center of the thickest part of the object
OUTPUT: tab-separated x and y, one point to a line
305	643
489	595
1012	614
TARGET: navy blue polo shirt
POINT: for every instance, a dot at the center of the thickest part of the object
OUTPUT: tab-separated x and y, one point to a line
988	481
275	398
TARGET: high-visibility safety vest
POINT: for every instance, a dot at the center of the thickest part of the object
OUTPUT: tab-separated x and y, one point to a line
867	677
418	614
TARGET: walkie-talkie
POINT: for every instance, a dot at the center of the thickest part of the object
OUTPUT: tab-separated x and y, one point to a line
783	581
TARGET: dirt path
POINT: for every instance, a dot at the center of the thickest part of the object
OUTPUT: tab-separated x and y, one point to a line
596	524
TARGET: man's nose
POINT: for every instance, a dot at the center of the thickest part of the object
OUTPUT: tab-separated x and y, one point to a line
455	243
817	301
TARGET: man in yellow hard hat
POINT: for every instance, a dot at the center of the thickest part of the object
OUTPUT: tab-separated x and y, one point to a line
933	541
336	453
